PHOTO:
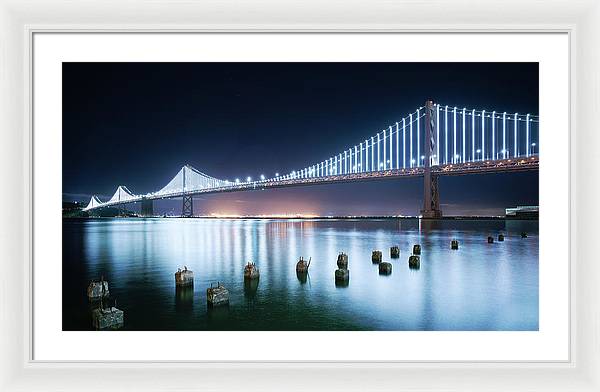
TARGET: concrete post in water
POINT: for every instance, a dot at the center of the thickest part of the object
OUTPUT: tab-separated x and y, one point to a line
394	252
500	237
523	235
97	289
302	265
342	261
454	244
217	296
490	240
184	277
416	249
414	262
376	256
107	318
251	271
385	268
342	275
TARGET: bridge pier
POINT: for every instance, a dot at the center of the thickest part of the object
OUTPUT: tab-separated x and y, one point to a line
187	210
431	196
147	208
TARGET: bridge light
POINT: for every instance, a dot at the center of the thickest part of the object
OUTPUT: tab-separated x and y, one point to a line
533	144
237	180
412	160
276	174
478	151
262	177
248	179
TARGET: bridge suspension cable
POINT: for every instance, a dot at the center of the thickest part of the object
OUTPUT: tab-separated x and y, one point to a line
461	136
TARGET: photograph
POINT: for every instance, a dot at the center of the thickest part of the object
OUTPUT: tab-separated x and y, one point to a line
300	196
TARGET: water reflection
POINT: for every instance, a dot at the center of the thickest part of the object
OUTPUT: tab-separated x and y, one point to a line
250	288
184	298
302	277
480	286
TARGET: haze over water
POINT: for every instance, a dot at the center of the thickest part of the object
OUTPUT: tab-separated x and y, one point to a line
481	286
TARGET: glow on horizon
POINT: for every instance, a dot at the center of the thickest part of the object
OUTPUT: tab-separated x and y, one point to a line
271	216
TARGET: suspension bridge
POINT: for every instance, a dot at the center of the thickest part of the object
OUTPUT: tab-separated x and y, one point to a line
435	140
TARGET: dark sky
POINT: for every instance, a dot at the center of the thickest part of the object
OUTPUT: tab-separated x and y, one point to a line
136	124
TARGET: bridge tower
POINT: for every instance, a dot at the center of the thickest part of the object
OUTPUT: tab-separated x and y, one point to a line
147	207
431	197
187	210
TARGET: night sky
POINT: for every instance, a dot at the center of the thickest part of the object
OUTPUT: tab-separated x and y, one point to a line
137	124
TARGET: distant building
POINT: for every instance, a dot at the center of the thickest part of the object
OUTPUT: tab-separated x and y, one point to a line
523	212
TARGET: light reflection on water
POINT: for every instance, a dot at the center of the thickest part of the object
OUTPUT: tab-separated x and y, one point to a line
479	287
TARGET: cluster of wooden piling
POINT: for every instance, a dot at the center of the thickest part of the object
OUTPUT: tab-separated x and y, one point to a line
104	316
490	239
110	317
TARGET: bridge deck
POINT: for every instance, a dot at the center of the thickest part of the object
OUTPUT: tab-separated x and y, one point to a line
480	167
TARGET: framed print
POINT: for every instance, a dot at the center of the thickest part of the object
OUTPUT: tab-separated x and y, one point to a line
462	256
352	202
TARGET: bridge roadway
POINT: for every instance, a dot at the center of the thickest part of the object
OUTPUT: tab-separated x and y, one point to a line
478	167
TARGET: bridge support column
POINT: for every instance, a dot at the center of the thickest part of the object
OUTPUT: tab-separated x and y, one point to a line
147	208
431	196
187	210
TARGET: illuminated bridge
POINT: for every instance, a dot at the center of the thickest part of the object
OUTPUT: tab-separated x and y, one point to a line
432	141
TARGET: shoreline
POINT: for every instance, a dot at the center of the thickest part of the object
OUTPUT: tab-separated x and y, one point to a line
374	217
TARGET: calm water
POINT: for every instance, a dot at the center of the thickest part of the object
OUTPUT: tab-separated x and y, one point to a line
479	287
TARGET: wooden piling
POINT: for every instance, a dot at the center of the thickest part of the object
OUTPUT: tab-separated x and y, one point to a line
414	262
342	261
97	290
416	249
376	256
217	296
302	265
394	252
385	268
342	275
184	277
251	271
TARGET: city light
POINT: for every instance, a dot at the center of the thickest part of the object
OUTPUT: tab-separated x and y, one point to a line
262	177
237	180
248	179
276	174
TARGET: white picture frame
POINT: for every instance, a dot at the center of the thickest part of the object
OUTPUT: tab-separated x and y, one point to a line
18	21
